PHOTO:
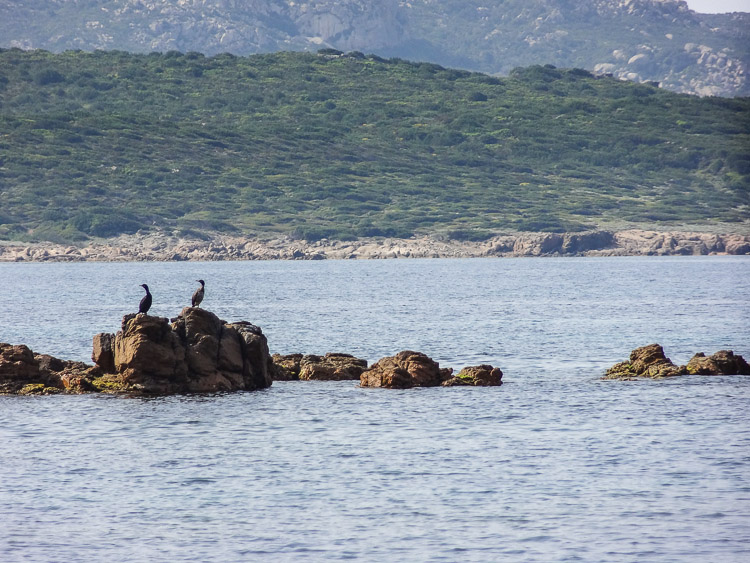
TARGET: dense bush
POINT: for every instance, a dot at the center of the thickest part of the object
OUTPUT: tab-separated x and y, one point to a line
341	146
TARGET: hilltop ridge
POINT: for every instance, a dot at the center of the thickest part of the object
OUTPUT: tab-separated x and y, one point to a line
641	40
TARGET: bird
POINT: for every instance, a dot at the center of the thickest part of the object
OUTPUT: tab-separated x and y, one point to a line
145	304
199	293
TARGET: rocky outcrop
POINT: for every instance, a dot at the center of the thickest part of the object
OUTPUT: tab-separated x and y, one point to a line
161	247
723	362
25	373
478	376
405	370
197	353
331	367
647	362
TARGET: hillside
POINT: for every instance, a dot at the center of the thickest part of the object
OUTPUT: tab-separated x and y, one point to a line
345	146
641	40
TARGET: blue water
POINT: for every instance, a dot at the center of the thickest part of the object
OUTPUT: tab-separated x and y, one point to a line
555	465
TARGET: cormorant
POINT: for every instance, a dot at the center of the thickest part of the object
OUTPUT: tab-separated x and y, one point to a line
198	295
146	301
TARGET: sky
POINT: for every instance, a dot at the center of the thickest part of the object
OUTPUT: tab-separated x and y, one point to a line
719	6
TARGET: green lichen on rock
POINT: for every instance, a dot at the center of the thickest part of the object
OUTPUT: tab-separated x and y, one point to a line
38	389
108	384
647	362
477	376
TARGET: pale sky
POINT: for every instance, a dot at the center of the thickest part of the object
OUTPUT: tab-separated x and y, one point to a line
719	6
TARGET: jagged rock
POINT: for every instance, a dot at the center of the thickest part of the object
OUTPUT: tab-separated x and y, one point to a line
197	353
331	367
257	359
405	370
479	376
18	368
723	362
647	361
149	355
103	354
26	373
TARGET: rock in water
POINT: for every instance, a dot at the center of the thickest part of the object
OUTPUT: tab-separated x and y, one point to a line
723	362
103	353
479	376
26	373
331	367
405	370
197	353
334	366
286	367
647	361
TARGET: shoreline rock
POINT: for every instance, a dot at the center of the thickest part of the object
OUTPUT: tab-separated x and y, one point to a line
164	247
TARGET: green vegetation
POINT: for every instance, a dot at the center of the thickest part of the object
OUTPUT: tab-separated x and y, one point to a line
324	145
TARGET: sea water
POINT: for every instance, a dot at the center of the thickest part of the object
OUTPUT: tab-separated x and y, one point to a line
555	465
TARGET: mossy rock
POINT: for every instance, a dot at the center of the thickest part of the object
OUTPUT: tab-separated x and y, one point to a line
38	389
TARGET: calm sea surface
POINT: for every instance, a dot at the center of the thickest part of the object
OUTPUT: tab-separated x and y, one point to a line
555	465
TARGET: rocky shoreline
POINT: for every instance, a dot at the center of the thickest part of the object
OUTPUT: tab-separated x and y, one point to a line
164	247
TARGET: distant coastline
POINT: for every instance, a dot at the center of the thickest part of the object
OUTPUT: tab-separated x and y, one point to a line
163	247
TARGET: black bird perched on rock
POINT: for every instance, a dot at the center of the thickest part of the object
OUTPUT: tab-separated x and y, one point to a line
199	293
146	301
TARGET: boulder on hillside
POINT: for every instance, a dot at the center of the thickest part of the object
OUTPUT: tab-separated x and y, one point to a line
723	362
479	376
405	370
197	353
647	361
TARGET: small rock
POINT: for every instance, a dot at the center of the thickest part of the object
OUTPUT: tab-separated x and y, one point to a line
405	370
723	362
479	376
647	361
331	367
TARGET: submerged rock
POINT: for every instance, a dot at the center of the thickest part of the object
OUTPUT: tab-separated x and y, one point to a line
723	362
647	361
197	353
405	370
479	376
